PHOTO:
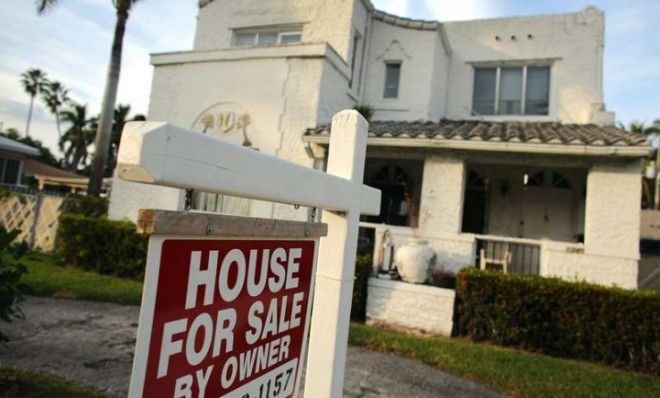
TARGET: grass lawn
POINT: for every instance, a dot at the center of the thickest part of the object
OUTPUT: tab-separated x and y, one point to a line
515	372
45	277
28	384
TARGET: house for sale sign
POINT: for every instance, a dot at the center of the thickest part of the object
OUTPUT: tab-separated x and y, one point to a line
224	317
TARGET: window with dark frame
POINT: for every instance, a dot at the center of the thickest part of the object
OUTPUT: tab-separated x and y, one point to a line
392	79
511	90
9	170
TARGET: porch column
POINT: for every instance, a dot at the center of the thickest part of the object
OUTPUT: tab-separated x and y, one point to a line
612	223
442	196
612	218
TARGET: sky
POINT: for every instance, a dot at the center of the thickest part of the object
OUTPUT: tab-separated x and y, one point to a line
71	43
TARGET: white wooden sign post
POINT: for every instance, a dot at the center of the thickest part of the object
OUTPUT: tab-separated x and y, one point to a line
166	155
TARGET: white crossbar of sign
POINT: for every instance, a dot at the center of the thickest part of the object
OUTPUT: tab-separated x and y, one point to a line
164	154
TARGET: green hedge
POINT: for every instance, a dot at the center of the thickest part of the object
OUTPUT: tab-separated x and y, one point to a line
363	266
89	206
102	245
555	317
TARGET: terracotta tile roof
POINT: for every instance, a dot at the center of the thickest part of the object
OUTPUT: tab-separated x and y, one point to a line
520	132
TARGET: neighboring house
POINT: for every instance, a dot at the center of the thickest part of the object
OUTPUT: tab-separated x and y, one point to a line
488	134
13	155
17	163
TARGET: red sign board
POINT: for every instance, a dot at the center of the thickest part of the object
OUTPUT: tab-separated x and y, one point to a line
223	318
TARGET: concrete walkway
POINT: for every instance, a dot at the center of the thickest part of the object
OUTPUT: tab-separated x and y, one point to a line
92	343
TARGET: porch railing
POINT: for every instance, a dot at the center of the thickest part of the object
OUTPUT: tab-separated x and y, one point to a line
525	257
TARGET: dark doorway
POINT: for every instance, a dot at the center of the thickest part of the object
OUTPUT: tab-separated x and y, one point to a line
399	181
474	204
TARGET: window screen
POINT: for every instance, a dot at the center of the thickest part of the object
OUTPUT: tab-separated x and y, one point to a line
244	38
289	38
392	77
266	38
538	89
510	91
483	102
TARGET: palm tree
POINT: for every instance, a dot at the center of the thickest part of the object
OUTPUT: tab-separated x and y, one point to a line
78	137
649	132
55	95
120	118
33	83
103	134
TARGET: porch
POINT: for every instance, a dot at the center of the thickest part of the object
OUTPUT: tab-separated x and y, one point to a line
557	199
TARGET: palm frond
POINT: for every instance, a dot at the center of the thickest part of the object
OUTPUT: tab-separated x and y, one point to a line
44	5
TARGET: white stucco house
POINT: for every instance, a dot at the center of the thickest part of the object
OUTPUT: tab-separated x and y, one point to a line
488	134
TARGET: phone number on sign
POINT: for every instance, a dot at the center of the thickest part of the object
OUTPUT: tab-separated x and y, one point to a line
278	383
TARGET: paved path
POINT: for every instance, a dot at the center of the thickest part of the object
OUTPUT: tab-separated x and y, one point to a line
92	343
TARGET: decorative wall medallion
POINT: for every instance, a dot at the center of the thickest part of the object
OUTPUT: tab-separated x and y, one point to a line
225	119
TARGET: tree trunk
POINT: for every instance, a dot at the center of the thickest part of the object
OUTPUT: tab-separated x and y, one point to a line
104	131
57	122
29	119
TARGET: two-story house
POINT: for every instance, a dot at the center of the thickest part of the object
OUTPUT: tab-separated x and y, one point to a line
488	137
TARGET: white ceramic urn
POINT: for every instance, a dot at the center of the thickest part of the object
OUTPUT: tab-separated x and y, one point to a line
414	261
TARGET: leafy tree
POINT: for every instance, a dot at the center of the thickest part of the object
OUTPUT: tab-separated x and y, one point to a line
55	95
78	137
120	118
33	81
45	155
11	272
104	131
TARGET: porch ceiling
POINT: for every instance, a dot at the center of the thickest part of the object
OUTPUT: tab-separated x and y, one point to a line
543	137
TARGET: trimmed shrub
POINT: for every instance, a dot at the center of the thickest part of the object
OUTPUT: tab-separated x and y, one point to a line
11	272
102	245
363	266
443	279
577	320
89	206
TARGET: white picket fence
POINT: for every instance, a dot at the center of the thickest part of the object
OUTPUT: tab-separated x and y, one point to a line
35	215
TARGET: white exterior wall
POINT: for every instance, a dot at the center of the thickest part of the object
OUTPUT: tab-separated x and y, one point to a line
603	270
442	195
613	210
428	308
422	57
280	88
574	41
323	21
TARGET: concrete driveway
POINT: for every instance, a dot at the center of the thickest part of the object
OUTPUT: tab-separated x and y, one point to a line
92	343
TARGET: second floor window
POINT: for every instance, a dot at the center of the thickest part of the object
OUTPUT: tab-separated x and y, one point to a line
511	90
265	37
392	77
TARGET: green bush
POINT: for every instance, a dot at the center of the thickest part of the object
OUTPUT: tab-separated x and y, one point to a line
577	320
101	245
367	111
11	272
363	266
89	206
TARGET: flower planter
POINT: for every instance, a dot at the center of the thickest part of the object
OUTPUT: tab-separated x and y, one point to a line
414	261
